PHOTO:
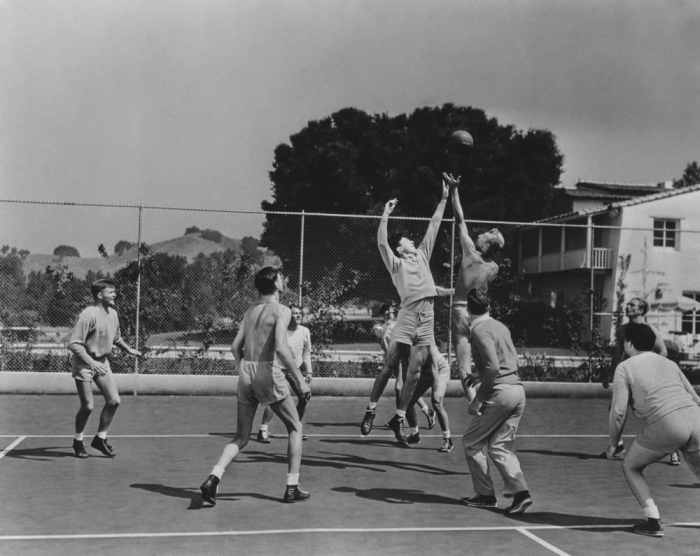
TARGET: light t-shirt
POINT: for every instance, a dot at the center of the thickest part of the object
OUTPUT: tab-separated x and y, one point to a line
652	385
96	330
300	343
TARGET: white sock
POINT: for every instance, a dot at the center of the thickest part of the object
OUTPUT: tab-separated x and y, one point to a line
650	509
217	471
263	428
415	429
401	413
372	406
292	479
102	435
446	434
78	436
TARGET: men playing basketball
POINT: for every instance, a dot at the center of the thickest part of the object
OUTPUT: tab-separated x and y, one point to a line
413	333
264	358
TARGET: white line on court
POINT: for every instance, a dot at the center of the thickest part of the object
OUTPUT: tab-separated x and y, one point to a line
542	542
319	530
312	435
11	446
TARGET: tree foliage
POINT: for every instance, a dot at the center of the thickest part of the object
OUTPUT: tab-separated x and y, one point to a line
691	175
122	246
66	251
353	162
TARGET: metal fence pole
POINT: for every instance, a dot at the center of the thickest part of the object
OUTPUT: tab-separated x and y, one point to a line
452	285
138	292
301	257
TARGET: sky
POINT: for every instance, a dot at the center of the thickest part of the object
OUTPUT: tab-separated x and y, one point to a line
181	103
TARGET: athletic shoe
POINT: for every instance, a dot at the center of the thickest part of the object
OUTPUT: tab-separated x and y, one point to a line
263	437
674	459
208	489
367	422
650	528
521	502
413	438
294	494
480	501
430	416
619	450
448	446
304	436
79	449
395	425
103	446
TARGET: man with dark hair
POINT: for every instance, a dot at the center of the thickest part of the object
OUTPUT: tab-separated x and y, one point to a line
299	338
664	400
413	333
497	407
264	357
476	271
636	310
94	335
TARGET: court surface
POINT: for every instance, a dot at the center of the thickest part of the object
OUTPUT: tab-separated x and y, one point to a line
368	496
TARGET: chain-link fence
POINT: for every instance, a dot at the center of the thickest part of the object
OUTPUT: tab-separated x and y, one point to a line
185	278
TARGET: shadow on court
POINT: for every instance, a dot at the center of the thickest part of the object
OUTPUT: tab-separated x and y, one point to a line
48	453
399	496
587	522
693	485
194	496
579	455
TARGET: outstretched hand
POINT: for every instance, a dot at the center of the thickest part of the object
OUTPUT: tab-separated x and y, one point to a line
390	206
450	180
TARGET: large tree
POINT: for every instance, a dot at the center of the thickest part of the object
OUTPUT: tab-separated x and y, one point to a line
691	175
352	162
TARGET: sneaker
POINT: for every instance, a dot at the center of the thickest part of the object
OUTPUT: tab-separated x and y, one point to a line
521	502
294	494
103	446
674	459
413	438
367	422
430	416
395	424
264	437
209	488
304	437
448	446
619	450
79	449
650	528
480	501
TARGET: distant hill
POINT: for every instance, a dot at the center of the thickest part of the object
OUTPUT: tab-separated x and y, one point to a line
188	246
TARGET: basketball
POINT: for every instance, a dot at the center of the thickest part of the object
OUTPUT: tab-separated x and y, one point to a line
461	139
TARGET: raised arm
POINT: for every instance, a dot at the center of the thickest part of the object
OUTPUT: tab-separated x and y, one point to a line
385	251
464	239
428	242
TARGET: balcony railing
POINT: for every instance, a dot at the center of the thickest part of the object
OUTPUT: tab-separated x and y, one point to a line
601	258
568	260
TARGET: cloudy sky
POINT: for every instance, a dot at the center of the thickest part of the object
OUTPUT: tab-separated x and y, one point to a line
181	103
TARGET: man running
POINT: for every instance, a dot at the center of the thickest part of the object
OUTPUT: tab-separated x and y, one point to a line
664	400
94	335
264	357
497	408
413	333
299	338
476	271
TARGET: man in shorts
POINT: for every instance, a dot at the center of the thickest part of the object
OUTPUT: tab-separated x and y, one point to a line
266	366
413	333
299	338
664	400
476	271
636	310
94	335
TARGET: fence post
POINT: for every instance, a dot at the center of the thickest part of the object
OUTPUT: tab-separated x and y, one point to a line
301	258
138	293
452	285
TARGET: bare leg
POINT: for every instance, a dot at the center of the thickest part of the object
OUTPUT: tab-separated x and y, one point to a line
287	412
636	460
464	354
87	404
246	413
391	363
419	355
442	416
267	416
108	387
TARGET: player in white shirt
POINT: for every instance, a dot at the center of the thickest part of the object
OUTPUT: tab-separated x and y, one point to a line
299	339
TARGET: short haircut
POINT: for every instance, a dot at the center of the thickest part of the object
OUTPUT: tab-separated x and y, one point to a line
98	285
477	302
643	305
395	238
641	336
265	280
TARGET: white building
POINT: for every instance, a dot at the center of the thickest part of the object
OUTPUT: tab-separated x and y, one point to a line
654	227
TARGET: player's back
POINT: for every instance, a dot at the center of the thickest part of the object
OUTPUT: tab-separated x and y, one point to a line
259	324
474	273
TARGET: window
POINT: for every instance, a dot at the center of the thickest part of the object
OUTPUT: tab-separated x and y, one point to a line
691	319
666	233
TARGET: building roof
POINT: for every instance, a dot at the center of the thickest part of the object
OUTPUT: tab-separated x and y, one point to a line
664	194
